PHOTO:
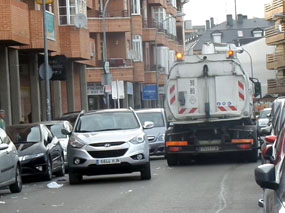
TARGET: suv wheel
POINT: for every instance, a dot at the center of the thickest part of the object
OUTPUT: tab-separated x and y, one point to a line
145	172
17	186
74	178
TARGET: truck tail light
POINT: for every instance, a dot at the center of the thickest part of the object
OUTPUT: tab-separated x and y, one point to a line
176	143
175	149
237	141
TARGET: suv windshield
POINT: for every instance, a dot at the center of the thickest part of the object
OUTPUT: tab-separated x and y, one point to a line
105	121
155	117
25	134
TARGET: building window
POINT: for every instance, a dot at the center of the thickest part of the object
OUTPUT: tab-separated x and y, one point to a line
69	8
136	7
137	48
217	37
240	33
257	34
159	15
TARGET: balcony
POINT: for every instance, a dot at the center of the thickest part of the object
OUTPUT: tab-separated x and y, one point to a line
274	37
276	86
74	42
121	69
113	24
171	10
275	61
14	23
138	72
162	3
149	30
273	8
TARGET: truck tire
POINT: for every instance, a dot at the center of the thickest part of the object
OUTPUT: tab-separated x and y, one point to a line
252	155
171	160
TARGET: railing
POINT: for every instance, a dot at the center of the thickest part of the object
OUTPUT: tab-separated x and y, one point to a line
117	62
115	13
276	86
273	5
150	23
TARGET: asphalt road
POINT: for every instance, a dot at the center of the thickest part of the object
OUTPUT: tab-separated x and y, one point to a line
207	186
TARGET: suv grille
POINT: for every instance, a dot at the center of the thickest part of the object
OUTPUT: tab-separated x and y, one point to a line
107	144
107	154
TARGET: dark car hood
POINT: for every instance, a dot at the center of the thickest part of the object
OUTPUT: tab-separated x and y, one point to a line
30	148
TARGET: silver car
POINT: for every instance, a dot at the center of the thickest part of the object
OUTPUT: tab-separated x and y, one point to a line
10	167
156	135
108	142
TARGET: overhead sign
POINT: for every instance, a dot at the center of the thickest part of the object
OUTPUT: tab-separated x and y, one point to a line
149	92
118	91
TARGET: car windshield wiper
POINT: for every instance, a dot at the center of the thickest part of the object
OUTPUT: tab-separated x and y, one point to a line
83	131
23	142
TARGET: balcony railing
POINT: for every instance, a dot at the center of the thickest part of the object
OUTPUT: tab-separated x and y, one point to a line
276	86
117	62
273	8
274	36
275	61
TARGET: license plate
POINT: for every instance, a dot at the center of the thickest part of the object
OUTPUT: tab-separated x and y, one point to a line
108	161
208	148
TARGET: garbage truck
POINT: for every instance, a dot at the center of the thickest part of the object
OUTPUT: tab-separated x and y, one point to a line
209	106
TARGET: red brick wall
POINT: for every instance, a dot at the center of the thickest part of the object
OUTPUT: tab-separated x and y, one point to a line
137	25
116	45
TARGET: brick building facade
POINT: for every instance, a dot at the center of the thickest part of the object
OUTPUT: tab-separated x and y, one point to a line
141	36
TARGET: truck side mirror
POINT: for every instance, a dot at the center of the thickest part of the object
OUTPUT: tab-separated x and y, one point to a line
257	89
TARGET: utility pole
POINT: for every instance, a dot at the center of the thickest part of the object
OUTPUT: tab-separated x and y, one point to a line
235	10
47	83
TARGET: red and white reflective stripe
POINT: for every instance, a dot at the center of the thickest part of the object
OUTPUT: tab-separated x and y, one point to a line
187	111
172	94
241	90
227	108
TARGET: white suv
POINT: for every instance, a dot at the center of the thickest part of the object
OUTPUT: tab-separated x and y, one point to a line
108	142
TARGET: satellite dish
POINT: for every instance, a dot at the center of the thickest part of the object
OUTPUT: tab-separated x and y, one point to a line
80	20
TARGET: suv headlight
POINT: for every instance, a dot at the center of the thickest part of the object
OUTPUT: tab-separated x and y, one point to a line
75	144
161	137
138	139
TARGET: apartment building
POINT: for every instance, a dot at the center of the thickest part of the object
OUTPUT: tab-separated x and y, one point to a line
134	31
142	36
275	36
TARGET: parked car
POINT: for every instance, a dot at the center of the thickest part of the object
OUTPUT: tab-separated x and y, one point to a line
155	135
263	118
40	152
10	167
55	127
272	176
70	116
108	142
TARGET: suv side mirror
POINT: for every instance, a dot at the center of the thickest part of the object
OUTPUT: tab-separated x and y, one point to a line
265	131
65	132
148	125
265	176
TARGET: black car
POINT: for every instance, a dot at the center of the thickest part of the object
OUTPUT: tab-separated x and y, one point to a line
40	152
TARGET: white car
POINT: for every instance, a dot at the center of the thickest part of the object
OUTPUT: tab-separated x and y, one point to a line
108	142
263	118
10	167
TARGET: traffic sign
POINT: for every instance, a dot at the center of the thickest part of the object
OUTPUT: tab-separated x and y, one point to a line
149	92
42	72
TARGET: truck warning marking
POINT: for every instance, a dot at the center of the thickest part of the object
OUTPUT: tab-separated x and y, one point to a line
241	90
223	109
185	110
172	89
229	108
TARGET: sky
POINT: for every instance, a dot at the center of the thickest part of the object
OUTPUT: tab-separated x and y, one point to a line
201	10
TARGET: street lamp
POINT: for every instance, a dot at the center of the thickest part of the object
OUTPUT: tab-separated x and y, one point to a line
251	67
107	74
156	56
